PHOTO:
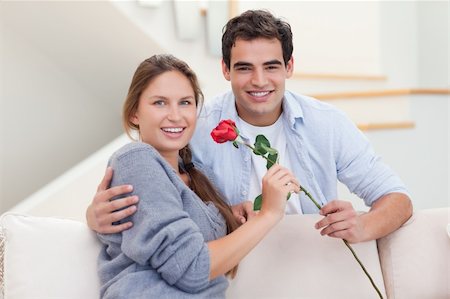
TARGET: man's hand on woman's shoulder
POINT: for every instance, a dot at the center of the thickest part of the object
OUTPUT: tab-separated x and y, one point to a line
102	212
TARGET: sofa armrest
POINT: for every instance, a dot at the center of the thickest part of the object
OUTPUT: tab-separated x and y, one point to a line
48	258
415	258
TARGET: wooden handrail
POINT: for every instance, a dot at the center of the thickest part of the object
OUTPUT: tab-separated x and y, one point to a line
387	125
338	77
380	93
438	91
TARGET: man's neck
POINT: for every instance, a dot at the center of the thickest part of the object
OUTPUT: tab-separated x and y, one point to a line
260	121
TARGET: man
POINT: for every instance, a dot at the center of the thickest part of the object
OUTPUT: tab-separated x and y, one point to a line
316	141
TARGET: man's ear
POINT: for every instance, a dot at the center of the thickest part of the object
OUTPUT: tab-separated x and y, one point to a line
290	67
225	71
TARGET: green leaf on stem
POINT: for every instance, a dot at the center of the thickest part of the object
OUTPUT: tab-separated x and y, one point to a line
261	145
268	149
271	159
235	144
257	203
261	139
258	152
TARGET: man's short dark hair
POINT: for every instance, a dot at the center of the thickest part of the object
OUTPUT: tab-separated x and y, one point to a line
254	24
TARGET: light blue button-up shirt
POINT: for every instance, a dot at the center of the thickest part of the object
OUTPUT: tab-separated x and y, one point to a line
323	145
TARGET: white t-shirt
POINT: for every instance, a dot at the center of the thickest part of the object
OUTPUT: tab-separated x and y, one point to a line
277	138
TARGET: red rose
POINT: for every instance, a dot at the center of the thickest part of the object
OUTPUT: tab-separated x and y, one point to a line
225	131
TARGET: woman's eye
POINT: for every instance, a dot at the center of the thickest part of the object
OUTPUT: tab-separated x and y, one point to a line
159	103
186	102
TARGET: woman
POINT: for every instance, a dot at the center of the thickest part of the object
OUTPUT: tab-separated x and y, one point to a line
185	237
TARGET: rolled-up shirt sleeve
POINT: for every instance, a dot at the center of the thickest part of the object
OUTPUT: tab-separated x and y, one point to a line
163	235
358	167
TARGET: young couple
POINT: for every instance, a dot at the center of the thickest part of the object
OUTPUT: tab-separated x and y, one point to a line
185	233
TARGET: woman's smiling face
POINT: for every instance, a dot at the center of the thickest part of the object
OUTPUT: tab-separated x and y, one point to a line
167	113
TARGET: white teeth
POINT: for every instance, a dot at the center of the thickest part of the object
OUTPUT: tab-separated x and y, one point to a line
172	130
259	93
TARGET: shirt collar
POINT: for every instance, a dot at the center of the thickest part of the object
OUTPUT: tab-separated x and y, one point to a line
292	109
229	107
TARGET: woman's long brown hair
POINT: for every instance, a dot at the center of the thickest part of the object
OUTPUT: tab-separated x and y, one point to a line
200	184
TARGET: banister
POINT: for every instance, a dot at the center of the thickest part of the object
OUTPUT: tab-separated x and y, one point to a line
386	125
381	93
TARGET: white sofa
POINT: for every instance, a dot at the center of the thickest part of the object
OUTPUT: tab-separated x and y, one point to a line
56	258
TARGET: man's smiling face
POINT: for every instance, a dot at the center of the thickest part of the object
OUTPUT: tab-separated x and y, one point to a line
257	74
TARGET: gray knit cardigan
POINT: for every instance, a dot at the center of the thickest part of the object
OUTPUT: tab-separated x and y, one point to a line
164	254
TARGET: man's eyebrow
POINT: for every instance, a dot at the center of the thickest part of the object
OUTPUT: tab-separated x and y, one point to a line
270	62
275	61
241	63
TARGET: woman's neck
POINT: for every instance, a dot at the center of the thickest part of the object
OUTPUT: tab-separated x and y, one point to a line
172	159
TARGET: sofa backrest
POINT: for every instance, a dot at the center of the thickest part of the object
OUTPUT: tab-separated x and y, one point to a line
295	261
56	258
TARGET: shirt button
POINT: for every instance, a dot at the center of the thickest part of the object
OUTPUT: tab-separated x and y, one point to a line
246	159
244	192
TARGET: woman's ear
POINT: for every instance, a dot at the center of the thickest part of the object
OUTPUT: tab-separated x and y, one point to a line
134	119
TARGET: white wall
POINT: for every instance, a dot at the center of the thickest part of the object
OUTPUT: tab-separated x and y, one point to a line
399	39
51	122
434	35
65	69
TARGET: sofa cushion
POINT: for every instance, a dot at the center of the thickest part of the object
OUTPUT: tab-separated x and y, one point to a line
48	258
415	258
295	261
